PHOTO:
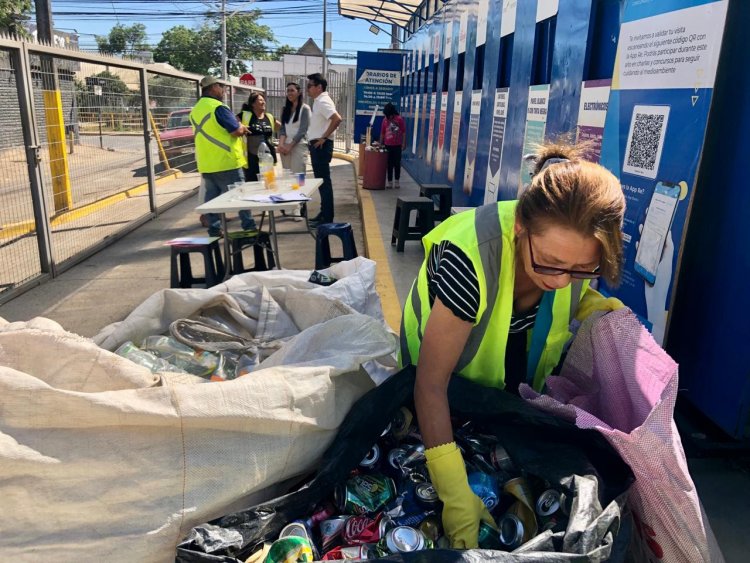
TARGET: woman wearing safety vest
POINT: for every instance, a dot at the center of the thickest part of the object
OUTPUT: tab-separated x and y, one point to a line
494	299
260	129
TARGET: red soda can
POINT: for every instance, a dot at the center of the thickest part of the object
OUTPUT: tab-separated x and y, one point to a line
363	529
324	512
353	553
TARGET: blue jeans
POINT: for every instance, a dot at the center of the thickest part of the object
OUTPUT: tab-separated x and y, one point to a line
217	183
320	158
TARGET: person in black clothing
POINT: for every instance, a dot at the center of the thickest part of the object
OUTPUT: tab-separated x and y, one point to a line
260	129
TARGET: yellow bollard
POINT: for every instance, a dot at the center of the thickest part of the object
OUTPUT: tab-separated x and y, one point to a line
58	158
162	152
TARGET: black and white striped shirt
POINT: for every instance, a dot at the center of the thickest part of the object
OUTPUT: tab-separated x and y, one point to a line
451	276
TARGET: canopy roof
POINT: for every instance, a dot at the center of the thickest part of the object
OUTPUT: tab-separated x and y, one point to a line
397	12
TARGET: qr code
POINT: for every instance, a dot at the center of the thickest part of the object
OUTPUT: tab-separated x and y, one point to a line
646	140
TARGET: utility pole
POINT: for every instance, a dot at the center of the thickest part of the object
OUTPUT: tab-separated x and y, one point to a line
325	56
223	39
394	36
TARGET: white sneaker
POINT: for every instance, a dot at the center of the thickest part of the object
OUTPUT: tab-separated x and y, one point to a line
389	185
397	185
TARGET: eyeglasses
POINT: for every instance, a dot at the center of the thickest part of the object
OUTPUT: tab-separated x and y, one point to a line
551	271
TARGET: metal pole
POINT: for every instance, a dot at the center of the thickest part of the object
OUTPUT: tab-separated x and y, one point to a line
223	39
147	131
394	36
101	141
325	18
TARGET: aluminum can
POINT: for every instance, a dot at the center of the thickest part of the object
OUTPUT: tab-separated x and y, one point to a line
371	459
403	539
489	537
401	424
485	487
331	530
548	503
519	488
414	455
392	463
350	553
500	458
299	529
364	493
412	519
292	548
511	531
427	496
430	527
359	530
324	512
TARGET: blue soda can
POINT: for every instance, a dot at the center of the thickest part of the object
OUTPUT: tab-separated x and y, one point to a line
412	520
485	487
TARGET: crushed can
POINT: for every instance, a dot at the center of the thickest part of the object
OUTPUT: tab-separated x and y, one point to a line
512	532
500	459
299	529
485	487
431	527
427	496
360	530
364	493
372	458
349	553
489	537
403	539
331	531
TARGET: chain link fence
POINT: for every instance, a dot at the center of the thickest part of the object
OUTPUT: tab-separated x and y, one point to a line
92	147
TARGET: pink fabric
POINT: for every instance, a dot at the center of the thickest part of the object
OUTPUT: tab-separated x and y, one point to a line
392	131
617	379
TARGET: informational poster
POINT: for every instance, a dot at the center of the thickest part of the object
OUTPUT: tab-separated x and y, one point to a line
508	21
496	145
378	82
436	39
441	132
415	129
592	113
536	122
545	9
423	123
471	146
447	52
463	27
455	130
431	127
653	137
483	9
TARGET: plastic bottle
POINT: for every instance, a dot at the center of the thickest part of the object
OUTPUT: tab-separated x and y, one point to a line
265	162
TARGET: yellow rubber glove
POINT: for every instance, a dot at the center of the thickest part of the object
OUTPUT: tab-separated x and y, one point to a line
595	301
462	509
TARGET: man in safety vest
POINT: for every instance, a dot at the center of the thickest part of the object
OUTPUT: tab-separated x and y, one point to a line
218	149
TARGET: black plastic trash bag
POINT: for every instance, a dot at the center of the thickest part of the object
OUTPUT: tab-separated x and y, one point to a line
579	462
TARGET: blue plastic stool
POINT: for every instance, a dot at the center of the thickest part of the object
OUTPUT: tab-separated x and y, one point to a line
344	231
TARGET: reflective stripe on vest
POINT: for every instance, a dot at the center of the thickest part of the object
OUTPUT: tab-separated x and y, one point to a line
215	149
481	234
245	120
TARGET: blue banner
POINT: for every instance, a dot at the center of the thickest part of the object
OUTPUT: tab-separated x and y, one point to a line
378	82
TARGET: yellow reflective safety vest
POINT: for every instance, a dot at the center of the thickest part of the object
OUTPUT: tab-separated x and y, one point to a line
486	235
246	117
215	149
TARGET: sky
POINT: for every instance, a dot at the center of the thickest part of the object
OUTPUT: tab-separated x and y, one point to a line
292	21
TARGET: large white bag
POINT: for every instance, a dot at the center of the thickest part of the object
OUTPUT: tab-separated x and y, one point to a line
102	460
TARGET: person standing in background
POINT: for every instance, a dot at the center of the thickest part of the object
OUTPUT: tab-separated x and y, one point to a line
218	149
323	122
393	136
260	129
295	119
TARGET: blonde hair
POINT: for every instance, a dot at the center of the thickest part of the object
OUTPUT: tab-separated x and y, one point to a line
572	192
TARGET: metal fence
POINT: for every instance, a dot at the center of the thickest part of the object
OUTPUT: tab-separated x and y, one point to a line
341	88
92	147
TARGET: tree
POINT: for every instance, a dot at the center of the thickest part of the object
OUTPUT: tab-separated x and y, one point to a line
123	40
199	50
281	51
191	50
13	16
170	93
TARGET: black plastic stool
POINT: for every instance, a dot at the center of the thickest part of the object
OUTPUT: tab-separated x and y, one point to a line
181	274
445	198
425	220
260	242
344	231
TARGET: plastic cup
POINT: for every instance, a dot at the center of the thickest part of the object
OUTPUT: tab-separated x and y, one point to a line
301	178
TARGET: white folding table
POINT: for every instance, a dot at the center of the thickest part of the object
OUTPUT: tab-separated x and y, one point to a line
232	202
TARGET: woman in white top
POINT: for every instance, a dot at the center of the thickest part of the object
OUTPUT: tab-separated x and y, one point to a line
295	118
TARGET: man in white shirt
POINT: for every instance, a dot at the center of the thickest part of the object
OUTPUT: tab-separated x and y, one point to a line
323	122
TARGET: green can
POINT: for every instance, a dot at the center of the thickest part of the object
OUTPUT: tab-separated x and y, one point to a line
364	493
291	549
489	537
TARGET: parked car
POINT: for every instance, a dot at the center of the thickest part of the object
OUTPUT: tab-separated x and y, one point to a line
177	137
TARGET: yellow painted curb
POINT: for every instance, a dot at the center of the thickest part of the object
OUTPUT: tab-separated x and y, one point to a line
15	230
375	249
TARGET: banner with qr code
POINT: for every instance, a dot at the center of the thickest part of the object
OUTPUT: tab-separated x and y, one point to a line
653	138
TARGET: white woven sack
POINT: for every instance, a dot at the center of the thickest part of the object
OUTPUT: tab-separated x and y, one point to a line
100	460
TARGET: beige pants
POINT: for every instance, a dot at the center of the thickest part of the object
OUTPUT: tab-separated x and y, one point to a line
296	161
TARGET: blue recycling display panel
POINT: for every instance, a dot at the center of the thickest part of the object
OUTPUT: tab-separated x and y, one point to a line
378	82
